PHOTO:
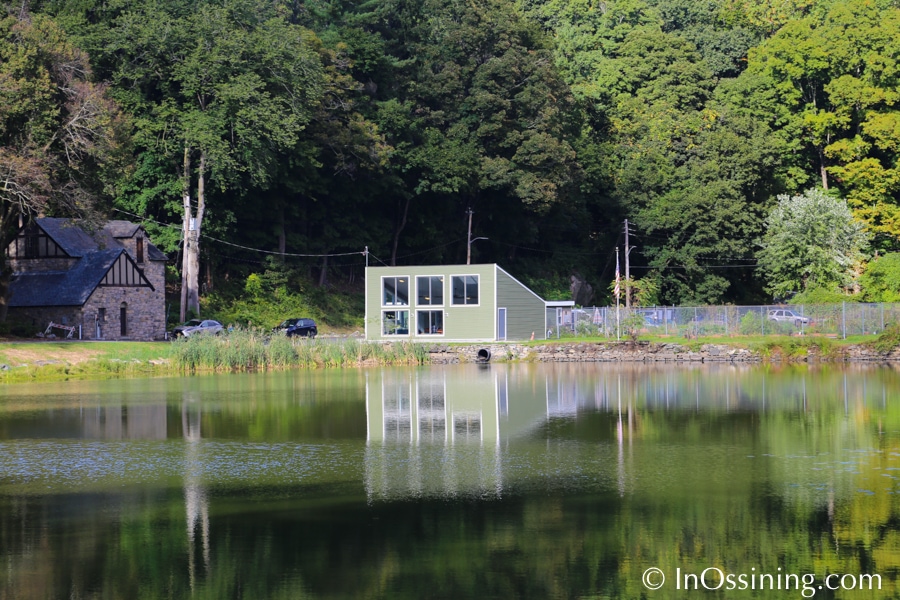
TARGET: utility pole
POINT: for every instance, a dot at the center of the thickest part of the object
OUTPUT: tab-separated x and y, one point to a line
627	271
616	293
469	238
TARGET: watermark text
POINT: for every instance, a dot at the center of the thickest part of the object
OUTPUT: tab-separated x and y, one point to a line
714	579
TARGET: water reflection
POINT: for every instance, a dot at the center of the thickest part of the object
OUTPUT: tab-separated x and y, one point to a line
196	501
526	481
446	431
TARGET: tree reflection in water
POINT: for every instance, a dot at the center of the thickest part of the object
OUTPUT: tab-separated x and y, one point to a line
526	481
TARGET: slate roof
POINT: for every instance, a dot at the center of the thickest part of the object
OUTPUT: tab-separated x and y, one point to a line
76	242
62	288
121	229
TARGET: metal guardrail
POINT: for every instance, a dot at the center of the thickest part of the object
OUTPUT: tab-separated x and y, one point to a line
834	320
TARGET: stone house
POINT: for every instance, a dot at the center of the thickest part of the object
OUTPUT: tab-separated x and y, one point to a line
107	283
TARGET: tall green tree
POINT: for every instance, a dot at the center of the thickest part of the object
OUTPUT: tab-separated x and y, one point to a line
221	90
688	167
834	77
811	241
880	282
483	120
61	136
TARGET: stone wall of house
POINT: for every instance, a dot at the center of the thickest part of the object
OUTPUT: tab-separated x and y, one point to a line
145	309
155	272
40	265
37	318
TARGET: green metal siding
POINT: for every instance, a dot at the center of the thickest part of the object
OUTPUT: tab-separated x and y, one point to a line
525	311
461	323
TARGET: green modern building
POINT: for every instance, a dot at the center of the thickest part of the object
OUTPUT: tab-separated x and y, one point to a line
453	303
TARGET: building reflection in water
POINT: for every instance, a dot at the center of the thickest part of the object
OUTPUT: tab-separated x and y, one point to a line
438	431
125	422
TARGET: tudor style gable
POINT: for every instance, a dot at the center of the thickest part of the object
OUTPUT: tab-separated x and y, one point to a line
33	242
125	273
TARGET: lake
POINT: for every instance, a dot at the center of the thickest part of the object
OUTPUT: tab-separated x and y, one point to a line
460	481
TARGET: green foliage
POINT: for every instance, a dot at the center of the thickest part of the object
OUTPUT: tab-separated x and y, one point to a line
880	281
821	295
328	127
247	349
645	291
632	325
792	348
253	287
889	339
811	241
832	74
752	324
63	141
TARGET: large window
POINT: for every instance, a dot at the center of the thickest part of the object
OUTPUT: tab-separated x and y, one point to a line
430	291
395	291
430	322
465	289
395	322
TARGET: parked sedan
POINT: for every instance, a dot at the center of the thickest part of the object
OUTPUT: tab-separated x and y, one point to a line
788	316
195	326
299	327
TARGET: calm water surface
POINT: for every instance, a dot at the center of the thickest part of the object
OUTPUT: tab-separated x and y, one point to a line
522	481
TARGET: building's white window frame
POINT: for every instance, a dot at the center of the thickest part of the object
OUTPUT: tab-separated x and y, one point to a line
384	331
431	290
478	284
396	278
439	333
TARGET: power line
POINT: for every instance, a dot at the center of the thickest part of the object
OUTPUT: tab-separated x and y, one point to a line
209	237
699	267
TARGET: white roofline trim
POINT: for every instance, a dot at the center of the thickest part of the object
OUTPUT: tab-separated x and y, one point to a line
499	268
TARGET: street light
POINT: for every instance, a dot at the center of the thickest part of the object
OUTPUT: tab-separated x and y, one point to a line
469	238
469	249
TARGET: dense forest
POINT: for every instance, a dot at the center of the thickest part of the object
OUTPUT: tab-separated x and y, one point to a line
751	146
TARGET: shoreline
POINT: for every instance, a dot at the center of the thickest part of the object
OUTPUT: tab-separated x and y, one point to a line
60	361
668	352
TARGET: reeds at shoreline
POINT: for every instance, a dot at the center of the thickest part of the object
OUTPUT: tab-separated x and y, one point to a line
252	350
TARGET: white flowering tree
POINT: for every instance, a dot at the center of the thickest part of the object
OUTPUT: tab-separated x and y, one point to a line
811	241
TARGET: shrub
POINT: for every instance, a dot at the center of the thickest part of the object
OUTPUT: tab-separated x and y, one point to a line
888	339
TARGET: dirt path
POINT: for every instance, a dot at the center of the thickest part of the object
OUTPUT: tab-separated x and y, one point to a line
32	352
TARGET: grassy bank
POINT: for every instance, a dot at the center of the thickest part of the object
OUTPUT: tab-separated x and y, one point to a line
253	350
240	350
54	361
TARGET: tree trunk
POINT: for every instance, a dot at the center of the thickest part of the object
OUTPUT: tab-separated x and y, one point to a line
323	276
185	229
5	273
193	249
282	234
7	217
397	232
822	169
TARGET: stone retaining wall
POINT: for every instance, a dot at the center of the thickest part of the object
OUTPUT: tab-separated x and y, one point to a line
645	352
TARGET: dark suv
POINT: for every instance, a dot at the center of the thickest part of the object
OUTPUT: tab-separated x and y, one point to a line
301	327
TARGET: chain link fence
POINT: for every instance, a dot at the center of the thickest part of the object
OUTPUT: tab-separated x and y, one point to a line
833	320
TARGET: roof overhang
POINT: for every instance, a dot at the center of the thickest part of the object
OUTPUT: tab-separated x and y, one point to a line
560	303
